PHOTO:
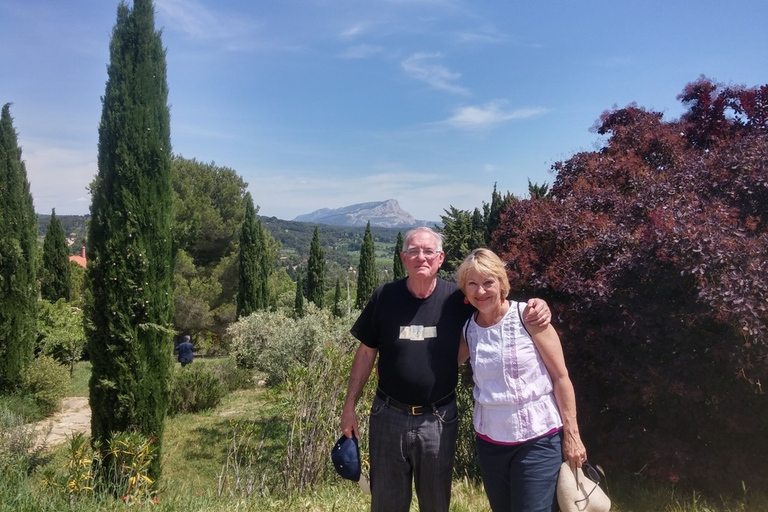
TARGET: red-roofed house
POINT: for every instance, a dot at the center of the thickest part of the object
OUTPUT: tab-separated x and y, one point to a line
80	258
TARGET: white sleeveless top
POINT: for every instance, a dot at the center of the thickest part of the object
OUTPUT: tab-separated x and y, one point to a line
514	398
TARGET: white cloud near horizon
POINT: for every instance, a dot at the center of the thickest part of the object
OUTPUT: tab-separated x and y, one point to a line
59	177
421	66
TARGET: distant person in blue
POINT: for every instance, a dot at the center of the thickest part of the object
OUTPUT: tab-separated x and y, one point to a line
184	350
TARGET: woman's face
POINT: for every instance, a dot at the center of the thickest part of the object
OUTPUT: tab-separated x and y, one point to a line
482	290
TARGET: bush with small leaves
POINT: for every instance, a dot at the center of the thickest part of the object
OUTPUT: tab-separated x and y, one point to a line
194	389
47	381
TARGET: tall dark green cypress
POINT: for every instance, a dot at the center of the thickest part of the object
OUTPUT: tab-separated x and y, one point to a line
18	253
367	277
398	269
253	273
316	271
55	283
131	261
298	301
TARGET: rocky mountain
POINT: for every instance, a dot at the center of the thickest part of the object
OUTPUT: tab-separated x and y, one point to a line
385	214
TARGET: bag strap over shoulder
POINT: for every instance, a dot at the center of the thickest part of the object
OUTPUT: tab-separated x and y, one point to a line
520	314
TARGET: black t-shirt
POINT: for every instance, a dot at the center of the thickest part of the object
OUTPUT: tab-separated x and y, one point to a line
417	339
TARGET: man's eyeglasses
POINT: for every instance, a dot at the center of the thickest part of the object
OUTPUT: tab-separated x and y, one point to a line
427	253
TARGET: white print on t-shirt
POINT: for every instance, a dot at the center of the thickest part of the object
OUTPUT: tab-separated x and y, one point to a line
417	332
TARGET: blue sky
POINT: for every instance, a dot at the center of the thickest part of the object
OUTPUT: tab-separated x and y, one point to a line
327	103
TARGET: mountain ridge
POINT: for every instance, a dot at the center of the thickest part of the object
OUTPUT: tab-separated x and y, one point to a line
385	214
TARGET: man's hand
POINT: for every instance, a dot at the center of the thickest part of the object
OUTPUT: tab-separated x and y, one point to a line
349	422
537	313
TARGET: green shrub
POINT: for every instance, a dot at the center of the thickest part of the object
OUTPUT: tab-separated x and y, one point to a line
229	374
23	404
18	450
273	343
47	381
313	428
194	389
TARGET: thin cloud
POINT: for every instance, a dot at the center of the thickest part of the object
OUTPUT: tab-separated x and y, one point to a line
421	66
489	115
197	22
353	31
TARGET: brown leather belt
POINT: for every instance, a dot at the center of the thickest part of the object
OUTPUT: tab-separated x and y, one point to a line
415	410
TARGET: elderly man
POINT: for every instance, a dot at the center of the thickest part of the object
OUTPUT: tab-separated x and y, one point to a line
414	326
185	351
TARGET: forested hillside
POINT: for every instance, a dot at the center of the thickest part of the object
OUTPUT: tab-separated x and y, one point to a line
294	237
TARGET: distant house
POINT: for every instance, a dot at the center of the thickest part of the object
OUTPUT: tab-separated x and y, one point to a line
80	258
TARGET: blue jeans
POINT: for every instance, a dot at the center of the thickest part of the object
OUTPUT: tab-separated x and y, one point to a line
406	449
521	477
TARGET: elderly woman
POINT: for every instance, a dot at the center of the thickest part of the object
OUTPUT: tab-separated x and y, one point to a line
525	408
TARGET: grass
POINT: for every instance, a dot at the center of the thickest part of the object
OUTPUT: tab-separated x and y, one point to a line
196	448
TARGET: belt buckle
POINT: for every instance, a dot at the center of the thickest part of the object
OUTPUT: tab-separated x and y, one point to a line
413	410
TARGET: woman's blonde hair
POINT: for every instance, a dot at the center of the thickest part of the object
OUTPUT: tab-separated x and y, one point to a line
484	262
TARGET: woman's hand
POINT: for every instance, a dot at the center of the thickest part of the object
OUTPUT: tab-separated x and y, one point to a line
573	449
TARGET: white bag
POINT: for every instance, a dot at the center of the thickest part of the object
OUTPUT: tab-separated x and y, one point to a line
577	493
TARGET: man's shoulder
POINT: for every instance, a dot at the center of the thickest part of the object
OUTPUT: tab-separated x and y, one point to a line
450	286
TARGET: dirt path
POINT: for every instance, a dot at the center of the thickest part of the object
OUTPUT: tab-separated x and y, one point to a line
74	416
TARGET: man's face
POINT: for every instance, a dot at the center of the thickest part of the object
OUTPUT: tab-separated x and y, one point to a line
421	257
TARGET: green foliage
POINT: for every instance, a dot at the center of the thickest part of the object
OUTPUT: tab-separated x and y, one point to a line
61	332
130	239
465	463
316	272
462	232
652	252
46	380
194	389
75	227
78	477
18	451
492	212
243	474
298	303
124	466
314	429
76	283
273	343
398	268
18	256
367	276
55	282
210	205
337	307
255	264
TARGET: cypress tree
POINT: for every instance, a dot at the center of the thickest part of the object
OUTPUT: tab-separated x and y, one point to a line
398	269
337	301
316	271
18	252
253	273
129	242
56	282
367	278
298	301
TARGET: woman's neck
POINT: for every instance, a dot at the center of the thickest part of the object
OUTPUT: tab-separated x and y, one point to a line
493	316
